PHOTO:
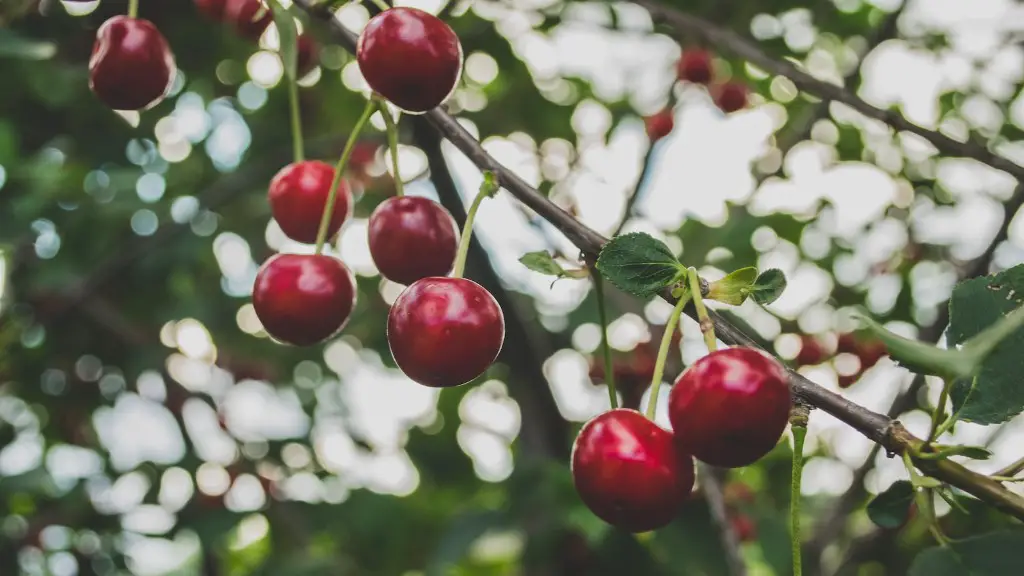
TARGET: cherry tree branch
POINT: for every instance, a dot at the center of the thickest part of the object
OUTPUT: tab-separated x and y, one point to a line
878	427
694	26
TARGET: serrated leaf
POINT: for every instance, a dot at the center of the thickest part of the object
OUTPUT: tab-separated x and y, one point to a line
891	508
639	264
993	554
734	288
996	394
288	38
768	287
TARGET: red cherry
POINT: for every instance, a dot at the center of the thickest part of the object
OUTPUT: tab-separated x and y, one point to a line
659	125
730	96
445	332
845	381
307	55
730	407
695	66
132	66
743	527
847	343
298	196
211	8
628	472
811	353
410	57
870	352
412	238
302	299
250	18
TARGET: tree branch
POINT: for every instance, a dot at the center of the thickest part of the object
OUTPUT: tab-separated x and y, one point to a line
879	428
684	23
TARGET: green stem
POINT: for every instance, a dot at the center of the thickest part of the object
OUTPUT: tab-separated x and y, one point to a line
381	4
799	433
707	327
133	8
296	119
659	365
487	189
609	375
339	169
940	411
392	131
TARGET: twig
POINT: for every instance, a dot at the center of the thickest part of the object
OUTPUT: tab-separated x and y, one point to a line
645	170
711	482
684	23
1012	469
879	428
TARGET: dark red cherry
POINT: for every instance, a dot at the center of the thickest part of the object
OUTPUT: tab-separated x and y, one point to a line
847	380
302	299
298	195
445	332
410	57
659	125
132	66
730	96
695	66
730	407
412	238
307	55
628	471
812	352
211	8
250	18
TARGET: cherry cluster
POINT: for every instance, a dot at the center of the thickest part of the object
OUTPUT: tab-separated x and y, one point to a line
815	351
696	66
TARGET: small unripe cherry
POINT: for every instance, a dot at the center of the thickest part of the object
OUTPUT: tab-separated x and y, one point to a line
695	65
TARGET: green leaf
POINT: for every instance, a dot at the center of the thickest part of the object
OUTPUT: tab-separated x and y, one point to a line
544	263
993	554
288	38
973	452
639	264
996	394
891	508
768	287
735	287
917	356
14	45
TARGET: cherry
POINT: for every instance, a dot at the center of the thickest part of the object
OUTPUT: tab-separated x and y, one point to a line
870	352
410	57
250	18
847	343
628	471
812	352
307	55
132	66
211	8
730	96
847	380
659	125
695	66
444	332
412	238
302	299
298	195
730	407
743	527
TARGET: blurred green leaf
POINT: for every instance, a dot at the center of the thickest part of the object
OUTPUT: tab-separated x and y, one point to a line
891	508
994	554
14	45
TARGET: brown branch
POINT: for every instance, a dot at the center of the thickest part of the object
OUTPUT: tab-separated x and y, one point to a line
879	428
684	23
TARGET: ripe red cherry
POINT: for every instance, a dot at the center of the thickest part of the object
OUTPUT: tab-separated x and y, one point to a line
306	58
628	471
444	332
211	8
302	299
811	353
730	96
695	66
298	195
659	125
250	18
412	238
730	407
410	57
132	66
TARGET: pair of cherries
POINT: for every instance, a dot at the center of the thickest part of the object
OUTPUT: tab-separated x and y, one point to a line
728	409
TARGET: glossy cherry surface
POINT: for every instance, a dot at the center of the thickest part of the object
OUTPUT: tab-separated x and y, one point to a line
730	407
628	471
298	195
411	238
730	96
659	125
410	57
132	66
250	18
445	332
302	299
695	66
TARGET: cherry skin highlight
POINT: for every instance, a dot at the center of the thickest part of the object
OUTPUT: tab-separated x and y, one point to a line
659	125
628	471
132	66
730	96
444	332
410	57
412	238
695	66
298	195
730	407
302	299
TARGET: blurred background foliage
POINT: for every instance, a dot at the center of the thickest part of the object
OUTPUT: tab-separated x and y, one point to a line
148	426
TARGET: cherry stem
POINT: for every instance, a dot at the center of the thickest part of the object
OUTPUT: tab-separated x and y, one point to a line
798	427
339	169
707	327
133	8
296	119
487	189
392	131
381	4
666	341
609	374
940	411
